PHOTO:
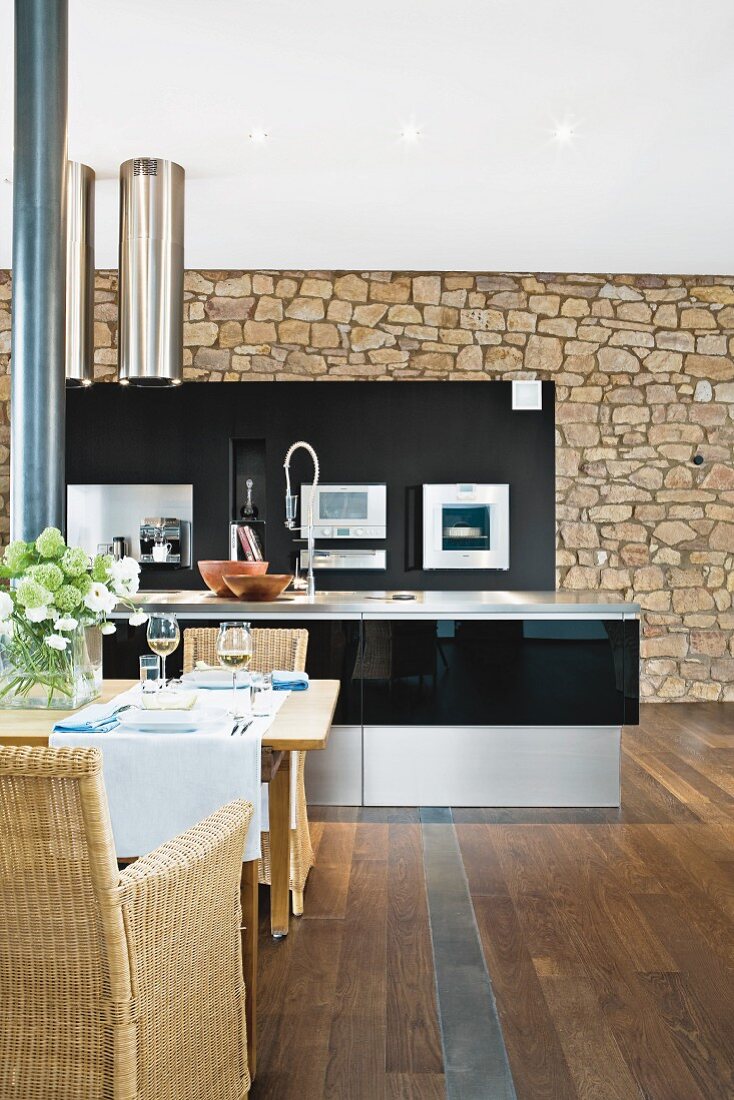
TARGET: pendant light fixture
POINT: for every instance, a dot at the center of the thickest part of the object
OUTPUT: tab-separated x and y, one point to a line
79	274
151	272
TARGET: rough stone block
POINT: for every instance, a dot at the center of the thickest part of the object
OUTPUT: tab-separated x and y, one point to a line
269	309
427	289
397	291
714	367
260	332
240	286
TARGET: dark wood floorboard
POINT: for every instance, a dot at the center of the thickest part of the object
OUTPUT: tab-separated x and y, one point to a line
413	1037
347	999
537	1060
608	936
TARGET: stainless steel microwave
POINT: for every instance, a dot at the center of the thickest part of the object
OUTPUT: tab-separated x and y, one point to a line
346	511
466	526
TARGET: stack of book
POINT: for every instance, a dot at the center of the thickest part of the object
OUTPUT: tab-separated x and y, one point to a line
250	543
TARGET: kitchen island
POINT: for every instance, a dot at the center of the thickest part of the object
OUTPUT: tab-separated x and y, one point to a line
453	698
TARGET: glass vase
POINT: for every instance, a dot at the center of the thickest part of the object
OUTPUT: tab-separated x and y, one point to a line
34	676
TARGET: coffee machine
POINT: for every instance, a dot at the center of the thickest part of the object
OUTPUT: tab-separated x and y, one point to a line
162	542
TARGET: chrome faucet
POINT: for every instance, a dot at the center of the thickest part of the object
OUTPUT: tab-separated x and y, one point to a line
291	507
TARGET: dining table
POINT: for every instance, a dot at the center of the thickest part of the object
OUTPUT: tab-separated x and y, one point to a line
302	724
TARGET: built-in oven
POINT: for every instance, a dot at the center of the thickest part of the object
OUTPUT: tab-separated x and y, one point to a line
466	526
346	511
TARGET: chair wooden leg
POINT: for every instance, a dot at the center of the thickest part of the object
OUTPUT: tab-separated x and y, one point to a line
297	902
280	836
249	902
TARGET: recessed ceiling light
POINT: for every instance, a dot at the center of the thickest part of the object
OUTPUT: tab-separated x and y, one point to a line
410	133
564	133
258	135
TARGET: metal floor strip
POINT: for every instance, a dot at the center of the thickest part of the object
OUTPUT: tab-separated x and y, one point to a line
476	1066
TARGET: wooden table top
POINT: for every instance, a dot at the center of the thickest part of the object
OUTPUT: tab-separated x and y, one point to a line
303	722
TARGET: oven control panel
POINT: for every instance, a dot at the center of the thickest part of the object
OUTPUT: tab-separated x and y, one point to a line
348	531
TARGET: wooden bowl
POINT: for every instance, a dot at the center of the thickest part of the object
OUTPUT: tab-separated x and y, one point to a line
212	573
266	587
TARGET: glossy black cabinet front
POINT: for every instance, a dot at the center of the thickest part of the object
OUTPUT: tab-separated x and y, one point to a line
493	672
459	672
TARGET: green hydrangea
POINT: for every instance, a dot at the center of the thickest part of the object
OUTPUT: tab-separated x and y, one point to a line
68	598
101	567
30	593
16	555
47	574
75	561
82	583
50	543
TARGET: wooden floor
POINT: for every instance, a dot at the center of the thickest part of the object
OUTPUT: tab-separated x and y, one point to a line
608	936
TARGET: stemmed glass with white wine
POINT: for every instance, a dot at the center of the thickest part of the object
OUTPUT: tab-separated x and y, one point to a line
163	637
234	652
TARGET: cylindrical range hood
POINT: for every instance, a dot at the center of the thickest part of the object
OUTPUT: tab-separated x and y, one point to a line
79	274
151	272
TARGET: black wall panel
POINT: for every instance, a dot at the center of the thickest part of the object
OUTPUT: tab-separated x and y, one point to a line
403	433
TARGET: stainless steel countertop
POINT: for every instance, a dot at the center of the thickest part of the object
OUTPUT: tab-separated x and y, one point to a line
354	605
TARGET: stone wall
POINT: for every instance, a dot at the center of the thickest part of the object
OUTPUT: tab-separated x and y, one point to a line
644	380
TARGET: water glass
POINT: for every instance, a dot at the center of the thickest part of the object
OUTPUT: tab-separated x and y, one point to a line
150	673
261	686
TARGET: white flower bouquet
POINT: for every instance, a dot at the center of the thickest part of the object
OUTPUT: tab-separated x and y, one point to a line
56	597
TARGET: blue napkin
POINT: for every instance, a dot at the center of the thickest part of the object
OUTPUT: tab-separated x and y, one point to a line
98	720
87	727
290	681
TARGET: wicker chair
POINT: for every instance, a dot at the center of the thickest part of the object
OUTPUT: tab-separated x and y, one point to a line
271	649
114	985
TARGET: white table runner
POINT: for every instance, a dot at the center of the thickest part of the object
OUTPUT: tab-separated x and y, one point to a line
158	785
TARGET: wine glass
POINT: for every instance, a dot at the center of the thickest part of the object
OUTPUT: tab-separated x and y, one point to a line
234	650
163	637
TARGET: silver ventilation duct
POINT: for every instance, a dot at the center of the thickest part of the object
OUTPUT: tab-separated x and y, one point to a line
151	272
79	274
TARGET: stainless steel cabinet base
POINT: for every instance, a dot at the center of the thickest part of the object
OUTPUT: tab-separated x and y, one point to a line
467	766
334	776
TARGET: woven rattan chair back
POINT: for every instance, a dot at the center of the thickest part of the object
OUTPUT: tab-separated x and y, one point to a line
63	957
271	649
98	987
285	649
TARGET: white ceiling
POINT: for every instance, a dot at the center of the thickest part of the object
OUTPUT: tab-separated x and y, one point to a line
645	184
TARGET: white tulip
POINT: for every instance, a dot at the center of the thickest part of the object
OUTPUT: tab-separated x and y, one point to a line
6	628
100	599
56	641
124	576
67	622
107	628
37	614
138	618
6	605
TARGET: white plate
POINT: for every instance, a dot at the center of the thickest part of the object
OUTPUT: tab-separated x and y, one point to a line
198	719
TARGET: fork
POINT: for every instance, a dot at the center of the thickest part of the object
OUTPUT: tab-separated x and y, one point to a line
241	726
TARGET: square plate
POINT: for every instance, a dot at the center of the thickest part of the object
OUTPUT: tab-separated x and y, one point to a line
197	720
213	678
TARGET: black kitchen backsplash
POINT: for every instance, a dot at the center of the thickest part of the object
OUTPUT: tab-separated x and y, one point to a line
405	434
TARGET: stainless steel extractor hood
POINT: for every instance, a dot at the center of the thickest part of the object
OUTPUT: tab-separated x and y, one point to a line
79	274
151	272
